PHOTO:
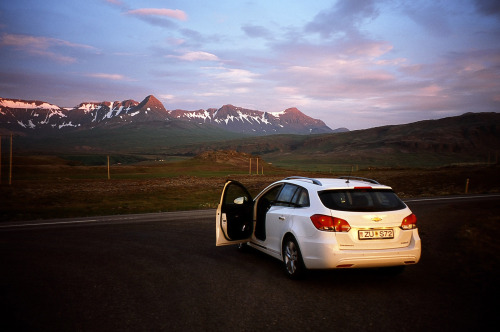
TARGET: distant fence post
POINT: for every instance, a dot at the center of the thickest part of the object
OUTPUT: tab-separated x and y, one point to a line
108	169
10	162
466	186
256	166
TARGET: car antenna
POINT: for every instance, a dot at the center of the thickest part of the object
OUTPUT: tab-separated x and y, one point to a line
350	172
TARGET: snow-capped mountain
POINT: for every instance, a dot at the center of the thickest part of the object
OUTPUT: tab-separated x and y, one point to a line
35	116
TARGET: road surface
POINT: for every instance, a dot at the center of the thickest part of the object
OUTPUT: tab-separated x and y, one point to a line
155	272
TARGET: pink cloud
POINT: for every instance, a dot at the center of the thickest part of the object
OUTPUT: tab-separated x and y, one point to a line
113	77
431	90
196	56
115	2
40	46
172	13
37	42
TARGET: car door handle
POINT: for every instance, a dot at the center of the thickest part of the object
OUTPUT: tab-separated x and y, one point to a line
281	218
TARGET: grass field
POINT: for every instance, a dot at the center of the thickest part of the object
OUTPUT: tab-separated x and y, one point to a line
52	187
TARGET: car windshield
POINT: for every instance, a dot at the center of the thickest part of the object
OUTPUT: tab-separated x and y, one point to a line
361	200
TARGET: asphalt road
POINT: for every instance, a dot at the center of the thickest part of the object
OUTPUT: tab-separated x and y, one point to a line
157	272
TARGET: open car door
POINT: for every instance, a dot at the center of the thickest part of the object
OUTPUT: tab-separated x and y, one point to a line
234	220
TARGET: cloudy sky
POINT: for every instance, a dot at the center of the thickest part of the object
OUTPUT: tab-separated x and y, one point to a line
351	63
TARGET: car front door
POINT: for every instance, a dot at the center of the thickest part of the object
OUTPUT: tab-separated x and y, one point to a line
234	219
279	217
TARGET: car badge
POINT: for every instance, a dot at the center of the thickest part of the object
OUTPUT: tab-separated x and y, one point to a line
376	219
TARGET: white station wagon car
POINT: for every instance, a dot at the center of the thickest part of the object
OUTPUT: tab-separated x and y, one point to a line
329	223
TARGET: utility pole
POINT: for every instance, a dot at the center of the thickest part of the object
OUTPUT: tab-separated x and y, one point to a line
256	167
10	167
0	159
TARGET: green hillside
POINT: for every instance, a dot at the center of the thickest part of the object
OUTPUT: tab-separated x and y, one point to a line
470	138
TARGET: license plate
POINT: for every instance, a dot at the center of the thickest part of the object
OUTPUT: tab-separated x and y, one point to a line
371	234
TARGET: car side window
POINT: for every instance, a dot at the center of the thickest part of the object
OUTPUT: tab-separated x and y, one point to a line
301	198
286	194
271	194
268	199
292	195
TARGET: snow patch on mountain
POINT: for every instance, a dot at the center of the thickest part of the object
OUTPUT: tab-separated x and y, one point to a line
24	104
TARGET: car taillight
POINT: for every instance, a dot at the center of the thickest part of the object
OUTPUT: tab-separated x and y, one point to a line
409	222
330	224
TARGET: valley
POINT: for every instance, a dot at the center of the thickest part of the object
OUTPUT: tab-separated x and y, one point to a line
51	187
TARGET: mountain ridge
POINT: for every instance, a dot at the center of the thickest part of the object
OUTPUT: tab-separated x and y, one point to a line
27	116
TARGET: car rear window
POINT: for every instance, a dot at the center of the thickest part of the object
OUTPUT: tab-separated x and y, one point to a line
361	200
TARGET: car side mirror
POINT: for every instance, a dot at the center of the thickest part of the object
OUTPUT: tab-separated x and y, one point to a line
240	200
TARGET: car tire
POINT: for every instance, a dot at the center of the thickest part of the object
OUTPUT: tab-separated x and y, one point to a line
292	259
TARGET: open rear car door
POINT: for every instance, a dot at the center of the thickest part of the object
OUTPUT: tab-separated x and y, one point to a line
234	222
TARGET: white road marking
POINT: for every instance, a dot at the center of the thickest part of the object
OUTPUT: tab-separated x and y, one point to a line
48	223
166	216
448	198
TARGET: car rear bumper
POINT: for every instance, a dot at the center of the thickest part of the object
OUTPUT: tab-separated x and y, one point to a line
329	256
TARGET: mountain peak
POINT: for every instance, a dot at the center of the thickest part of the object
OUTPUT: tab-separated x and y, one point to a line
293	110
152	99
153	103
152	108
227	110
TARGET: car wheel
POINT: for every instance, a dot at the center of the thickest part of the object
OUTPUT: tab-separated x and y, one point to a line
292	259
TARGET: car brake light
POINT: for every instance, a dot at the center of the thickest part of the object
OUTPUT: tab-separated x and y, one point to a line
330	224
409	222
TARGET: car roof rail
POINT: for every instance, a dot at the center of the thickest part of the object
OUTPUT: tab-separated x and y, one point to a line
315	181
358	178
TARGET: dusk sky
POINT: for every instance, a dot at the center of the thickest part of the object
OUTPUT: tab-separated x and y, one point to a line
351	63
